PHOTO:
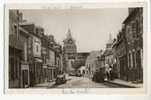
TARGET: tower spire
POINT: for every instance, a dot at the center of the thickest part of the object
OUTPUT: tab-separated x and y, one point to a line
110	38
69	33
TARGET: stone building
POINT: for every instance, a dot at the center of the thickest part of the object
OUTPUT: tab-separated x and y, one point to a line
79	63
18	52
100	60
108	53
45	56
80	59
15	50
69	52
34	52
51	59
120	55
134	36
59	58
91	63
54	61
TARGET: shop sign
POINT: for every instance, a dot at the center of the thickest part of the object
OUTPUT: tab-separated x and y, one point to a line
24	67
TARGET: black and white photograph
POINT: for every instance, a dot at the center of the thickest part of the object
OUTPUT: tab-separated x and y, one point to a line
76	47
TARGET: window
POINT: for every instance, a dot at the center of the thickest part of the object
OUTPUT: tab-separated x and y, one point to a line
133	54
137	28
15	29
13	68
134	26
129	59
128	35
37	48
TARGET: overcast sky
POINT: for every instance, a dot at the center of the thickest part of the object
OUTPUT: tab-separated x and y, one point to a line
90	28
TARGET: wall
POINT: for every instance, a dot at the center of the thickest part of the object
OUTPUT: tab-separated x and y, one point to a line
36	47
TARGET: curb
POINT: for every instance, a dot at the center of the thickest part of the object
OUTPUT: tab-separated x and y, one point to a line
123	85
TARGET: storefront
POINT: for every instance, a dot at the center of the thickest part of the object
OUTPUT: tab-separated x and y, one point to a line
38	70
45	72
25	81
14	68
51	73
15	57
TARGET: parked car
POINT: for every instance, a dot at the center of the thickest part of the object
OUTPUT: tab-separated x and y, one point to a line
99	75
61	79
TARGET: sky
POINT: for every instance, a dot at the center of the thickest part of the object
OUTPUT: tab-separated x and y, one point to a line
89	27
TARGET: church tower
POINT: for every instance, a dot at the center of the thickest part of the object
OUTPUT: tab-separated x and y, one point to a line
70	50
109	43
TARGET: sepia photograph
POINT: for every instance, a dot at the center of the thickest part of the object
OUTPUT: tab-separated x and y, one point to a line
55	48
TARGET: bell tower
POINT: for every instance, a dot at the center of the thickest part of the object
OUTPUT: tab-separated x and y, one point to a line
70	50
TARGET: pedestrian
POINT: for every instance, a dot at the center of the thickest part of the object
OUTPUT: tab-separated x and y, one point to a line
111	72
107	74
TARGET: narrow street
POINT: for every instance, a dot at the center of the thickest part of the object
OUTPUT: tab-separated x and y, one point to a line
80	82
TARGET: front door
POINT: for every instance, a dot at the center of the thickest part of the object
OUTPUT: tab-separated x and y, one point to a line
25	78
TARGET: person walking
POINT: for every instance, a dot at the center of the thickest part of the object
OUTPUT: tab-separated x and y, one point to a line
107	73
110	72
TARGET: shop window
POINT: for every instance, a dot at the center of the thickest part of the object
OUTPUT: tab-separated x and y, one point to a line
11	68
133	56
131	60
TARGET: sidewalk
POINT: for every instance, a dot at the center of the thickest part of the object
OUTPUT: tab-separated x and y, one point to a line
125	83
44	85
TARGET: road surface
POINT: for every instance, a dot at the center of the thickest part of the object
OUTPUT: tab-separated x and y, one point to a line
80	82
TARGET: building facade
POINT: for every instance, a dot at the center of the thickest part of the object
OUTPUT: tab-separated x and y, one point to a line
15	50
18	51
80	59
33	56
59	59
34	51
134	36
108	53
45	55
91	63
120	55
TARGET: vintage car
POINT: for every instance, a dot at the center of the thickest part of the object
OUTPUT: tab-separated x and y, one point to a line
61	79
99	75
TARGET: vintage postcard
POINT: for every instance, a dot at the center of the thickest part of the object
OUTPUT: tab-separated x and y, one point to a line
76	48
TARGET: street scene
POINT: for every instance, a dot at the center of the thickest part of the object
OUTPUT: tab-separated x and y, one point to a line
75	48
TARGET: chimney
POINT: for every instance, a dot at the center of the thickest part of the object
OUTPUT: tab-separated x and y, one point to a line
20	17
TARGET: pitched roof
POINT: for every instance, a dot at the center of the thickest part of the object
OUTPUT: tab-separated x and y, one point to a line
108	52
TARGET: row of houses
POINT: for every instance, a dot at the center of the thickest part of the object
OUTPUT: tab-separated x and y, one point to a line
124	53
128	47
33	56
